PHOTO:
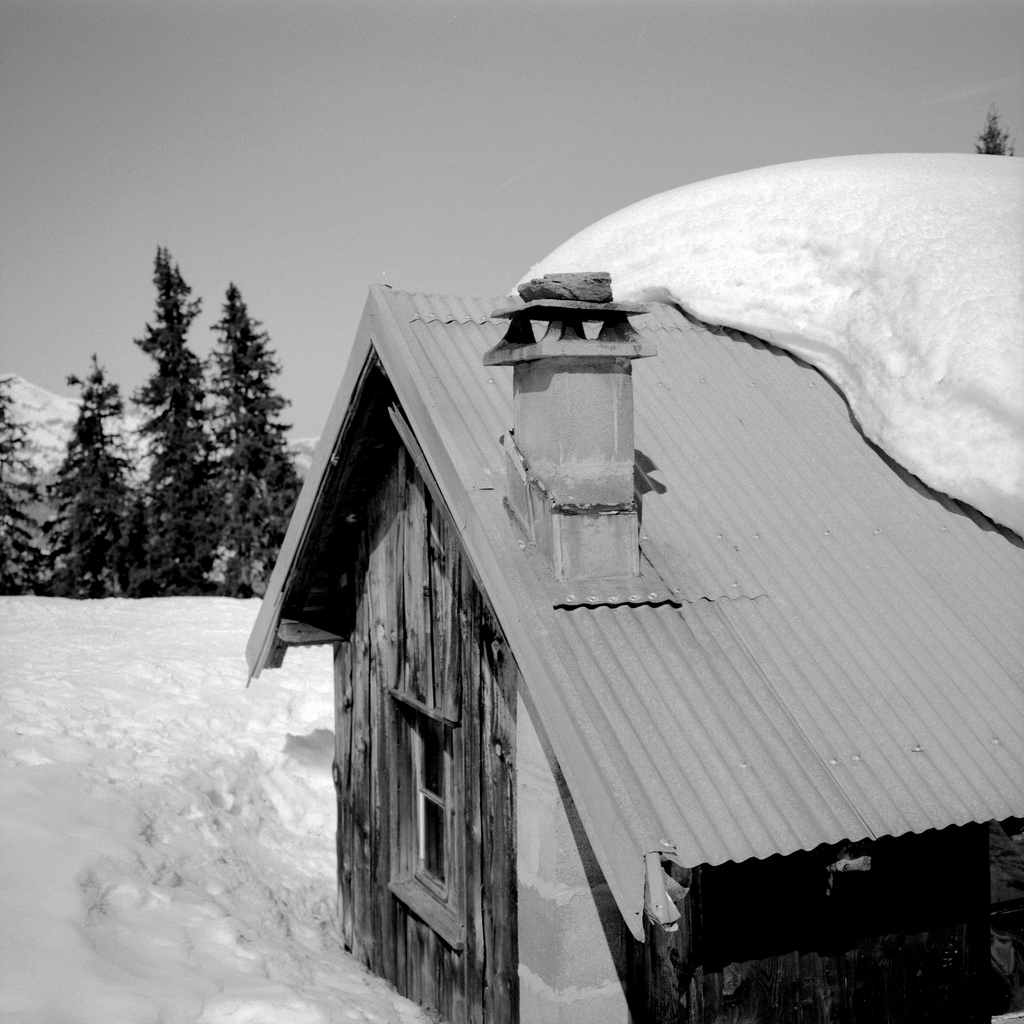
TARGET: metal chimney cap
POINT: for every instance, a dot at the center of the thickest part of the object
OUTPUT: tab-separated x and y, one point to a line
569	309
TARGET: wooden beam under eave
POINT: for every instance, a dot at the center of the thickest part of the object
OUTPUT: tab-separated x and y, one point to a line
302	634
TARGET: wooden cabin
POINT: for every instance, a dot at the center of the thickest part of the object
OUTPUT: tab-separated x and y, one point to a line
662	695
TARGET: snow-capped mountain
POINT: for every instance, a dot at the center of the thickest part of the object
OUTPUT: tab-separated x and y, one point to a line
49	420
301	450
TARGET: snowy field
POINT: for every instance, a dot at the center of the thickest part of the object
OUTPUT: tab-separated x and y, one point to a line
166	835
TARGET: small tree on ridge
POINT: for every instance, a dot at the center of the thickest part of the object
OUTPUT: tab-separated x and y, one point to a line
993	139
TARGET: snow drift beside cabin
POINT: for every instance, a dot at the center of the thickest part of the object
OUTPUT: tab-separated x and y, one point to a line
900	276
167	835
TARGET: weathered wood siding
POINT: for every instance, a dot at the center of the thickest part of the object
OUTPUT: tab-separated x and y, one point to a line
422	627
765	941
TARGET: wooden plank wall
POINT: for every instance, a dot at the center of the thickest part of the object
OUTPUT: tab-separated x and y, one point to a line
423	626
904	943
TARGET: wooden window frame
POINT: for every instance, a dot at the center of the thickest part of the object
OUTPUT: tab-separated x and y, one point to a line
440	904
433	694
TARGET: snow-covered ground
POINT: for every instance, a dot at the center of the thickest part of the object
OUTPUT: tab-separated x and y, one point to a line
167	835
899	276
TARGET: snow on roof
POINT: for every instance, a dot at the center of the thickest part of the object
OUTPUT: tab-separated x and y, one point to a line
900	276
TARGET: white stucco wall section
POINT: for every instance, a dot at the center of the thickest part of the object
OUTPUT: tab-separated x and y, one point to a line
570	930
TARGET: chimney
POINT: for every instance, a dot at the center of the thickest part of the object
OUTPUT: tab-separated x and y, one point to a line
569	457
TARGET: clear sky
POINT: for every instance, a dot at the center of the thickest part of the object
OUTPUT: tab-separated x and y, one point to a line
304	150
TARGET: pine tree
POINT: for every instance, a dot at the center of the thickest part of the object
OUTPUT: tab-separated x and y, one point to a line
179	518
88	535
20	557
993	139
256	480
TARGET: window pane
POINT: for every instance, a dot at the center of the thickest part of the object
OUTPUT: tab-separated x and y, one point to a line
432	734
432	837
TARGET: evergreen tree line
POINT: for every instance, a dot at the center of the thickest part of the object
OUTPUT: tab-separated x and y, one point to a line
203	511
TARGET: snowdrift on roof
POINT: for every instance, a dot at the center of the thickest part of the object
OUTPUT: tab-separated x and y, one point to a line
900	276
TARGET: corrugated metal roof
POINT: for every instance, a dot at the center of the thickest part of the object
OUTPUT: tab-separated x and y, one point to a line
849	660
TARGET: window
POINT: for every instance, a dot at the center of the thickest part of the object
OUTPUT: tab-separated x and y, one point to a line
422	670
432	767
426	864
